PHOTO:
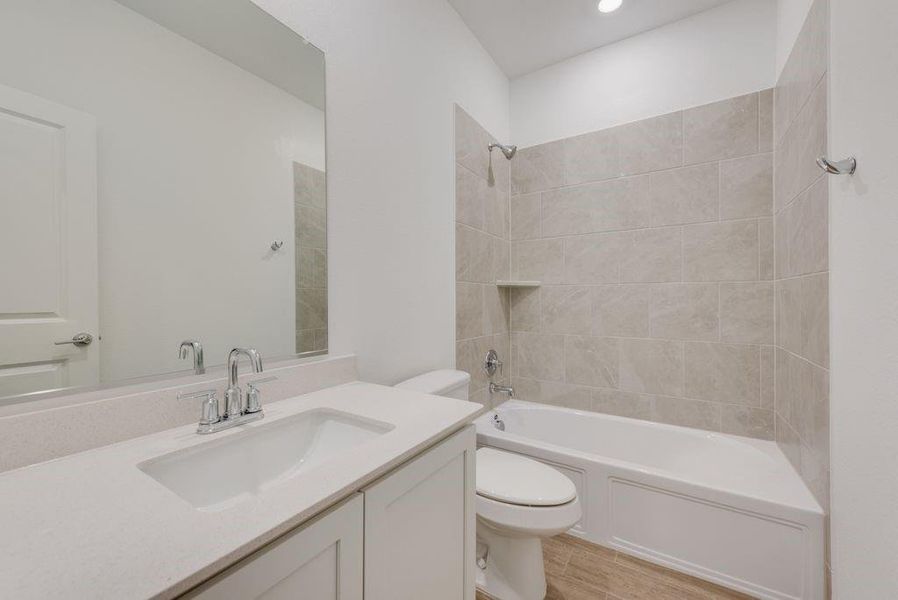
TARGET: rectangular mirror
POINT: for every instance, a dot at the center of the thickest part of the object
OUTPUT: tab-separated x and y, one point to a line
162	180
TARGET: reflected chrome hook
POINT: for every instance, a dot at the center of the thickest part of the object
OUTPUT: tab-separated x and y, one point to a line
840	167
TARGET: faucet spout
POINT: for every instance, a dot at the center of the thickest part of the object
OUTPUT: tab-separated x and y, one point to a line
186	346
495	388
234	395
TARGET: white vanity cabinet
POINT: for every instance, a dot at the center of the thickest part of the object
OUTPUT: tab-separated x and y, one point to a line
409	535
321	561
419	526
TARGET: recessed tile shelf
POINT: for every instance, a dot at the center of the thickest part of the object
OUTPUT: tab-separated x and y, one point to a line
517	284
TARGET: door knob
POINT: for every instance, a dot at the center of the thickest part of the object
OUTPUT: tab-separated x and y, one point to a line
79	339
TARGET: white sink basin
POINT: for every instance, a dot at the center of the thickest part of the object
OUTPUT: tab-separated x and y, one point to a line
221	473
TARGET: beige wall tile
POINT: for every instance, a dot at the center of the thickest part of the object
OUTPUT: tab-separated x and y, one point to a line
747	421
815	474
496	209
685	311
788	384
593	258
538	356
765	113
591	361
746	187
501	260
605	206
554	393
526	312
313	308
469	304
566	309
623	404
805	140
538	168
651	144
721	130
815	318
591	157
651	366
810	411
807	231
721	251
746	312
470	201
309	186
541	260
525	217
471	141
495	310
621	310
311	225
312	267
806	65
687	195
725	373
768	377
687	413
653	256
766	251
788	442
473	255
788	315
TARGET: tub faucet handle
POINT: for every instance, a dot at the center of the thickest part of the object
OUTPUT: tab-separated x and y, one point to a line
492	364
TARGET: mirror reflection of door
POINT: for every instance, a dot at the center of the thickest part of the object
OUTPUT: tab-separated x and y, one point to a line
48	245
161	179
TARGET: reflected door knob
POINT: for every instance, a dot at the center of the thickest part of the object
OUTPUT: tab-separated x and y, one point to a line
79	339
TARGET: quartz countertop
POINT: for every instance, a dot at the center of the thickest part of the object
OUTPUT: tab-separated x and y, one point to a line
93	525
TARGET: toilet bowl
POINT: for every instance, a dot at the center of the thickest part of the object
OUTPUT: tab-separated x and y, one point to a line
519	502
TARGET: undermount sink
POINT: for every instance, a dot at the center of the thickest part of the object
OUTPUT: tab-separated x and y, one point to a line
221	473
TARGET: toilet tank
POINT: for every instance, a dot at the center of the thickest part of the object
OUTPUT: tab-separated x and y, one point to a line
446	382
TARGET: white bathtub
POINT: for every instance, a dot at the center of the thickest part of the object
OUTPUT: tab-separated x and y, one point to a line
721	507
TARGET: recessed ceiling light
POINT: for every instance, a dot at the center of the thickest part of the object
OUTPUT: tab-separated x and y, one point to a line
607	6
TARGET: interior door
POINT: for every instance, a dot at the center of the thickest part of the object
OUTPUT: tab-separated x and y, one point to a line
48	244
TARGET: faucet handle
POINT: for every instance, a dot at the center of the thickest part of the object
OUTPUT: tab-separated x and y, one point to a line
210	413
254	395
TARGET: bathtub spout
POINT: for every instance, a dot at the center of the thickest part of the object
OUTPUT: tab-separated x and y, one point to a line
501	389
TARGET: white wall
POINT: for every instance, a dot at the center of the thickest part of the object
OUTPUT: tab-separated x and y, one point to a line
790	16
864	300
724	52
195	179
395	67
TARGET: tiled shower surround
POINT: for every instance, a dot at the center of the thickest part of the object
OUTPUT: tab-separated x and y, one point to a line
654	245
802	256
481	252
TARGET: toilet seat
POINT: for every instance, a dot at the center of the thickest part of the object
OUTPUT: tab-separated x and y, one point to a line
528	521
514	479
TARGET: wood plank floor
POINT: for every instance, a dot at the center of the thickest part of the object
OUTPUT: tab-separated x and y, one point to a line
578	570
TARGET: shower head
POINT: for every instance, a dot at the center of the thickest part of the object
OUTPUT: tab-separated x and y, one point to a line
508	151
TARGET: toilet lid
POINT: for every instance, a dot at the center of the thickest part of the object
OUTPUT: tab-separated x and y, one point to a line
514	479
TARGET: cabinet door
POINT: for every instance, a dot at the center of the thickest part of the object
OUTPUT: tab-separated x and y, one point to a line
320	561
419	526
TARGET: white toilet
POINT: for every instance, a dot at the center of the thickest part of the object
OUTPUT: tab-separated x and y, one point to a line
519	502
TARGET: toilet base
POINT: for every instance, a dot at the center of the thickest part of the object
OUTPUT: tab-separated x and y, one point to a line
514	565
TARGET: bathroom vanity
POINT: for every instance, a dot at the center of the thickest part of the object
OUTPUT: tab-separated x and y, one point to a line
352	491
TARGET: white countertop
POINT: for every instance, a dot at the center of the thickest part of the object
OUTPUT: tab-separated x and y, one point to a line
93	525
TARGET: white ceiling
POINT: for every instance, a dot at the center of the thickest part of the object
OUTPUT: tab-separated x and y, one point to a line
525	35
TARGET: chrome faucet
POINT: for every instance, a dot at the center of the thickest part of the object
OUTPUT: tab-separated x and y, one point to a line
234	395
186	346
235	411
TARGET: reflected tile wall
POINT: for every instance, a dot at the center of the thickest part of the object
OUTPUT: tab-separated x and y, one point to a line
654	245
310	243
